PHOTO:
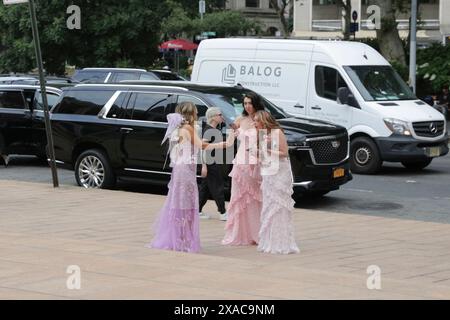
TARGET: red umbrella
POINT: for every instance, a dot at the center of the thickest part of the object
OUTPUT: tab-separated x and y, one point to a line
178	44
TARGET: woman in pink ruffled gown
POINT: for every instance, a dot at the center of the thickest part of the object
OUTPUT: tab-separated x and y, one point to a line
276	234
244	209
177	225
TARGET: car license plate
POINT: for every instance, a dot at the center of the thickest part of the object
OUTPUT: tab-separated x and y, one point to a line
338	173
433	151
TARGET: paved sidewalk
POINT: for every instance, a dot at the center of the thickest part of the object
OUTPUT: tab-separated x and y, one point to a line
43	231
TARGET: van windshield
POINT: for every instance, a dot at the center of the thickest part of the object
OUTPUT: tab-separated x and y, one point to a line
379	83
230	101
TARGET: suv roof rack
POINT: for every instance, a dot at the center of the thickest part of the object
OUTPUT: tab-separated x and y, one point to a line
117	69
181	82
130	85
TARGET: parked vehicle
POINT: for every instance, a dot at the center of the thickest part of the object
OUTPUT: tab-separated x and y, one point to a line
347	83
22	125
116	75
107	131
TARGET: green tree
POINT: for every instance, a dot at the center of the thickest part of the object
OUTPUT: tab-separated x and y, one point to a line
281	7
113	33
433	68
225	23
391	46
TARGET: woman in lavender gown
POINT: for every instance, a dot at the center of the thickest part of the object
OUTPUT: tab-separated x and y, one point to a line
177	225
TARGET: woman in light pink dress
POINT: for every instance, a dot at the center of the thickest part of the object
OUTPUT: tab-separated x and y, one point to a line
244	210
276	234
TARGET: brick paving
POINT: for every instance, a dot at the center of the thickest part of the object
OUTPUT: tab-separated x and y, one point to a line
45	230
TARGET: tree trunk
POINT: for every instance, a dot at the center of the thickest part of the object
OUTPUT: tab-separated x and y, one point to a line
391	45
280	9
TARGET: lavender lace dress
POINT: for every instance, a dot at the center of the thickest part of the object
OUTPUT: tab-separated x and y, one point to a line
177	225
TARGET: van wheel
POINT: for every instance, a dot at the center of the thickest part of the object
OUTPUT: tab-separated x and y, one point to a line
365	158
93	170
416	165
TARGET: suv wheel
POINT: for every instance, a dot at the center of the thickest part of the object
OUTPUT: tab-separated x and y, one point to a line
304	196
416	165
93	170
365	158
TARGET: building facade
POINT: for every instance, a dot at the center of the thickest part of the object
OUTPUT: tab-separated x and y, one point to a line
260	10
322	19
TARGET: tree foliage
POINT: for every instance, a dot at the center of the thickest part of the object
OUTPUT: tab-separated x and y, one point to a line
433	68
113	33
224	22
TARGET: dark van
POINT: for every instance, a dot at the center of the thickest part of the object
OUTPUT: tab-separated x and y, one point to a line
108	131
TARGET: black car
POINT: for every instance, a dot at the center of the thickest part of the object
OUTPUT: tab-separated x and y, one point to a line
116	75
22	126
109	131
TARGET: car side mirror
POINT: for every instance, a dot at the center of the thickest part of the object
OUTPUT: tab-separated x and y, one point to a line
344	96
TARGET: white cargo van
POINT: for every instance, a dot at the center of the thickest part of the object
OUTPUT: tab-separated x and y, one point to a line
347	83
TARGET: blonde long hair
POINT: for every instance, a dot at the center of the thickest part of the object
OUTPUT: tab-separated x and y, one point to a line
267	120
189	112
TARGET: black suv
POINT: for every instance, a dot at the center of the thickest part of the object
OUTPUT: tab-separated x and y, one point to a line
22	126
116	75
107	131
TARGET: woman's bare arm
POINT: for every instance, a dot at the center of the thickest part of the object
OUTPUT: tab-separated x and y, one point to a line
283	149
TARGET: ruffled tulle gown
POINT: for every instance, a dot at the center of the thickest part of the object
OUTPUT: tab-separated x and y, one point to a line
244	209
177	225
276	234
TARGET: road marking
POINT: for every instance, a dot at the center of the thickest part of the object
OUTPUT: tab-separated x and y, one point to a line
357	190
411	181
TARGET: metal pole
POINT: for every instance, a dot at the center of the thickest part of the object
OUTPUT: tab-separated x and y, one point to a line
48	128
412	50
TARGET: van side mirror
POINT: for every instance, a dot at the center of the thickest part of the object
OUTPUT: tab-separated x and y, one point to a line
344	96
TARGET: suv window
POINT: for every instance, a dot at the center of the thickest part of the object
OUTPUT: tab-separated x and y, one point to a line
328	81
167	76
90	76
201	107
11	100
83	102
149	106
52	99
117	110
148	76
119	76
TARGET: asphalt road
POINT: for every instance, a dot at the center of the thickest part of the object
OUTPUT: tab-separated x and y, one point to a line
394	192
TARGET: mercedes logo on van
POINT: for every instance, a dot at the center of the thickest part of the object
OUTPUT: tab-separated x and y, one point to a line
433	127
229	74
335	144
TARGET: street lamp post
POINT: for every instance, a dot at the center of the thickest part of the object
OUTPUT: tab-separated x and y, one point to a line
48	128
413	46
201	8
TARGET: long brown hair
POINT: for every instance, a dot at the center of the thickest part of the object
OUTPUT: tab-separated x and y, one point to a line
188	110
256	102
267	120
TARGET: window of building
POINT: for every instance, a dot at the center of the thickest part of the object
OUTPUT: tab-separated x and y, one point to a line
252	3
323	2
